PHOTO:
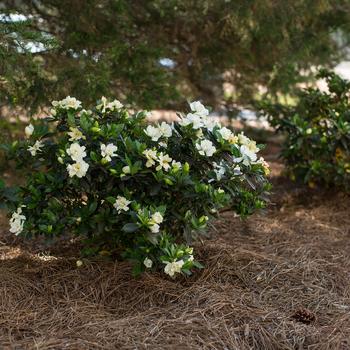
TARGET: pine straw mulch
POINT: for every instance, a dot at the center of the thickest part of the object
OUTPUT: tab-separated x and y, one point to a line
280	280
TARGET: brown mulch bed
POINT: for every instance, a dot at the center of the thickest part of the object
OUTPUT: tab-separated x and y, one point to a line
280	280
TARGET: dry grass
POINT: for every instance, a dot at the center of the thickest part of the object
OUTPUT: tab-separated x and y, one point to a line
259	276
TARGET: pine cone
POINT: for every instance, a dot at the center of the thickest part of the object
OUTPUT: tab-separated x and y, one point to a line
304	316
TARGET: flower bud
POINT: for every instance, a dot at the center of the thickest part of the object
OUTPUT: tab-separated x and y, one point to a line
29	129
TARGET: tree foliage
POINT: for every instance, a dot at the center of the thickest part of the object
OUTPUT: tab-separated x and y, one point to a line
115	47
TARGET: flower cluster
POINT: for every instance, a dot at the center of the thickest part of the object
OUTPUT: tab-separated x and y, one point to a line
109	106
80	167
142	191
67	103
160	160
159	131
198	117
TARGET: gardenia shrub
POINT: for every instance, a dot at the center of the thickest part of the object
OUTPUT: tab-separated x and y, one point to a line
317	133
141	191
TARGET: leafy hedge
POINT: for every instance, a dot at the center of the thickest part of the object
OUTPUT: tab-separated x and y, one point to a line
317	133
138	190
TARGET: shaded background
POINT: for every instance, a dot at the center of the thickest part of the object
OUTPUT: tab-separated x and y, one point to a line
161	53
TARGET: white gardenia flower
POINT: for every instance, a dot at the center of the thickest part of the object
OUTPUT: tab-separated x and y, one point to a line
126	169
173	267
225	133
76	152
252	146
75	134
156	132
29	129
157	217
148	263
151	156
121	203
154	228
233	139
198	108
164	161
108	151
35	148
84	111
219	170
71	102
209	122
206	148
165	129
153	132
78	169
68	102
114	105
243	140
176	165
17	221
193	119
247	156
